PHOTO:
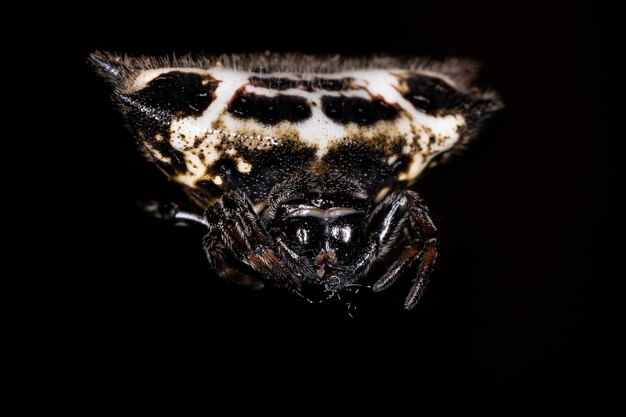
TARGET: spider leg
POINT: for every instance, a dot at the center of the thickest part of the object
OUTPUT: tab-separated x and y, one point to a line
221	263
386	226
296	263
234	226
423	250
172	212
213	248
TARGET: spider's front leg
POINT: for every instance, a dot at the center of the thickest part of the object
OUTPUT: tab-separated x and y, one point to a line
423	249
400	211
235	228
216	252
172	212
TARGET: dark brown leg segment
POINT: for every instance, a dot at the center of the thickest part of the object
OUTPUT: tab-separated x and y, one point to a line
234	226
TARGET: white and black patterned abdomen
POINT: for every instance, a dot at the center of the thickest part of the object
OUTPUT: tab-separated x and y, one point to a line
211	127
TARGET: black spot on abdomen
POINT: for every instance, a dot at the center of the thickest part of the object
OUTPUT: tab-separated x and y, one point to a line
334	84
150	111
273	83
432	95
174	93
269	110
317	83
357	110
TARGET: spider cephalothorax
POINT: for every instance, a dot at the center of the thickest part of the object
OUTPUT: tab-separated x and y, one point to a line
300	166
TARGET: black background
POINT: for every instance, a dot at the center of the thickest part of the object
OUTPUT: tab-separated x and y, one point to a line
508	323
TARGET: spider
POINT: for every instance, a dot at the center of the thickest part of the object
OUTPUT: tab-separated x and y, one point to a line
300	167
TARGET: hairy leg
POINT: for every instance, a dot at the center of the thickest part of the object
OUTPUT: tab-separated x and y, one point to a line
423	250
216	253
233	224
386	225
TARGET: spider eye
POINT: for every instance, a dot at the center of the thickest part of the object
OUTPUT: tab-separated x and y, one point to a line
303	231
342	233
302	235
